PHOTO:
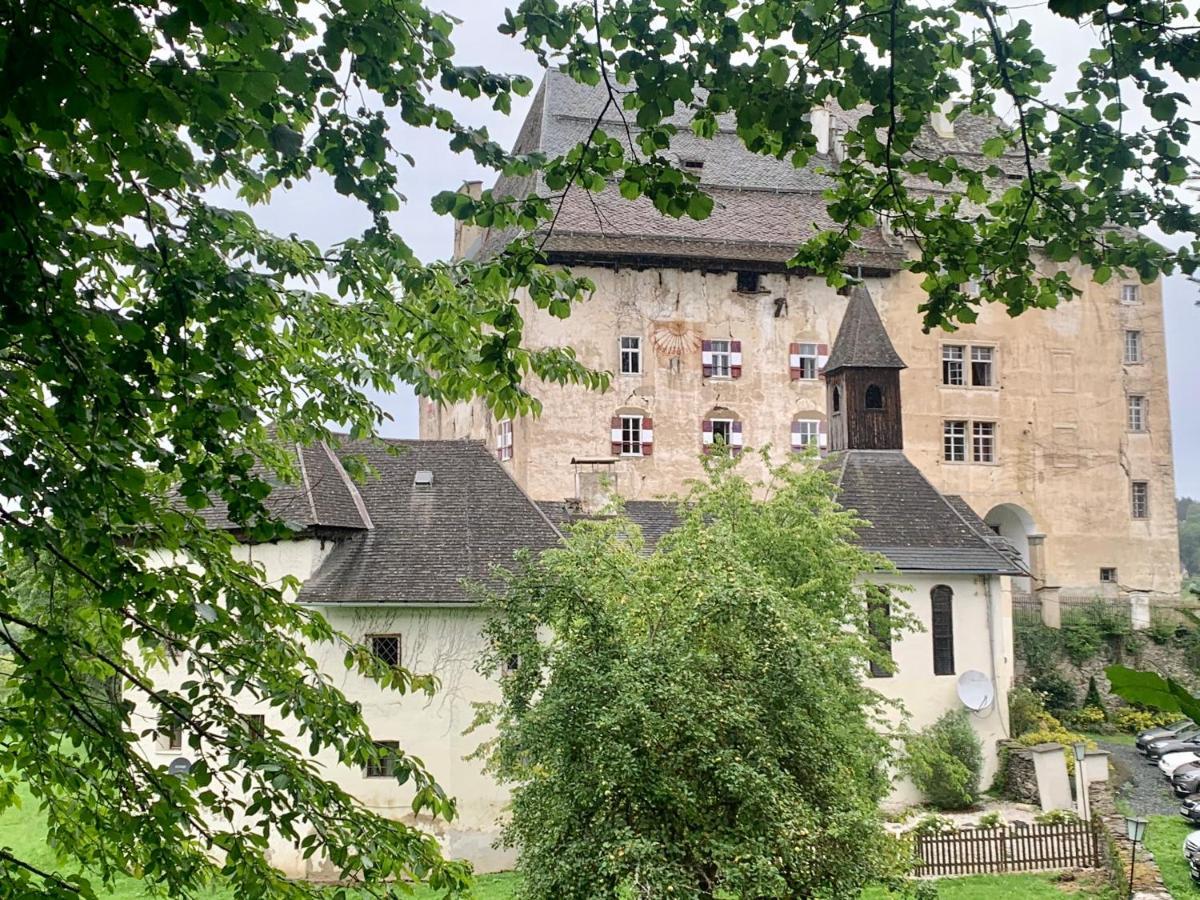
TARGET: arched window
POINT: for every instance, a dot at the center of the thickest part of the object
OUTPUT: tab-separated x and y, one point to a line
837	399
941	627
874	399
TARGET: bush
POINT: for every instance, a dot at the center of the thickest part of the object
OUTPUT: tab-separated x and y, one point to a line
1093	698
933	824
1038	645
1026	710
945	761
1081	641
1160	631
1133	720
1058	693
991	820
1056	734
1056	817
1089	718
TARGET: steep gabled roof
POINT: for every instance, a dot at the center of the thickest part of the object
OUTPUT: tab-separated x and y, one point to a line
862	341
911	523
427	541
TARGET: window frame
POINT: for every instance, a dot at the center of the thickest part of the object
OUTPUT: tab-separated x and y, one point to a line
728	443
1136	414
941	629
1108	575
169	737
726	354
807	440
1138	356
386	767
990	437
633	354
741	276
879	628
504	440
873	399
990	363
1139	500
386	636
947	436
808	361
949	360
627	440
1131	293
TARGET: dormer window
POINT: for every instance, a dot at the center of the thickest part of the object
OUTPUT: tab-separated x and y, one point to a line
874	397
695	166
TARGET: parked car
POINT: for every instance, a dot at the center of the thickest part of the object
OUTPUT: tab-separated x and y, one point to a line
1153	734
1178	746
1186	779
1194	868
1191	846
1190	808
1172	761
1154	749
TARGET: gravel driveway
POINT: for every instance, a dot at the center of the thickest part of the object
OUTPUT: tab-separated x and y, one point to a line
1139	783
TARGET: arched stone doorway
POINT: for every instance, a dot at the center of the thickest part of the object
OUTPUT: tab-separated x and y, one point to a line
1016	525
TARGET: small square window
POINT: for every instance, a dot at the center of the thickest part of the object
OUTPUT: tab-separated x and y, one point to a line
1133	346
806	362
983	442
981	366
952	365
1139	496
631	356
1131	293
805	433
512	663
1108	575
386	648
954	441
385	765
749	282
1136	420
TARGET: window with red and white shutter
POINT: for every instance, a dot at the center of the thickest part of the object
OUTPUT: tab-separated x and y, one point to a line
721	433
721	358
806	360
632	434
809	432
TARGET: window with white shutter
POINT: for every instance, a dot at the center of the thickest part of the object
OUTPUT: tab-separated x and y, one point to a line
721	358
721	434
632	435
809	433
805	361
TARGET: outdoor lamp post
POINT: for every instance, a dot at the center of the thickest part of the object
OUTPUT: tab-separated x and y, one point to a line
1136	830
1080	748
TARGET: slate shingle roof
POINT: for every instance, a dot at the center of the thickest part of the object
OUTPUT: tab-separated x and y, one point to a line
910	522
425	542
862	341
654	517
324	497
763	207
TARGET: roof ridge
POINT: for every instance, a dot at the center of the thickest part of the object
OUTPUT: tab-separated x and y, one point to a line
312	505
359	504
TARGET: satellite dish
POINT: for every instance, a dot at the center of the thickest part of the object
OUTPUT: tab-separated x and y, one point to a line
181	765
975	690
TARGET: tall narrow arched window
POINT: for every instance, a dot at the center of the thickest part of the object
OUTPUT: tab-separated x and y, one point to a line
874	399
941	627
837	399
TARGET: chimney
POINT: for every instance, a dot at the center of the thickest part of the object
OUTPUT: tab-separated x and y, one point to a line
940	120
819	119
465	236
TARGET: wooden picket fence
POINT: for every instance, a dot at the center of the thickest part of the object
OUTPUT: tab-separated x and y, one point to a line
976	851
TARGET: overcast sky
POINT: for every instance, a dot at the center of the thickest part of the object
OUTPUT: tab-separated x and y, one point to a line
315	211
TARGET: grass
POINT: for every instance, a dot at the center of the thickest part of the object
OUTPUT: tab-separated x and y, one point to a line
1126	740
1041	886
1164	838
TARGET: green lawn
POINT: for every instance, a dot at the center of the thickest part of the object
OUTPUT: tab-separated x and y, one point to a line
1127	740
1164	838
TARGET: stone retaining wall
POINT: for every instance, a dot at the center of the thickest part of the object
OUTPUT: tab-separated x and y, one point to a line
1019	775
1147	880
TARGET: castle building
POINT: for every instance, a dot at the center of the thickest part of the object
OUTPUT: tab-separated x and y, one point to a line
1054	425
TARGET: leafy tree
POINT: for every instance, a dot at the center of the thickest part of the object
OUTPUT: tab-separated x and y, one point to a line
945	761
1189	536
693	721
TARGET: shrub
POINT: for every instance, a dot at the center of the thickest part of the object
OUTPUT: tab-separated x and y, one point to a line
1056	817
991	820
1026	710
1058	735
1133	720
1038	645
1160	631
1089	718
945	761
933	824
1058	693
1081	641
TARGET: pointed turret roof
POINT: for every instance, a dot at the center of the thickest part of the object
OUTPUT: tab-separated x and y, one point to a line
862	341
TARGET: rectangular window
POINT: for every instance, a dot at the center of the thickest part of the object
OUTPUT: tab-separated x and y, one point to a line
720	359
170	733
1133	347
631	435
504	440
879	621
1139	497
1137	413
749	282
952	365
1108	576
954	441
806	363
256	725
722	431
385	765
1131	293
386	648
983	442
942	628
981	366
805	433
631	356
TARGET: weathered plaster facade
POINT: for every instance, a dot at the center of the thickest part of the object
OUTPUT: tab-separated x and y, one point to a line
1065	457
